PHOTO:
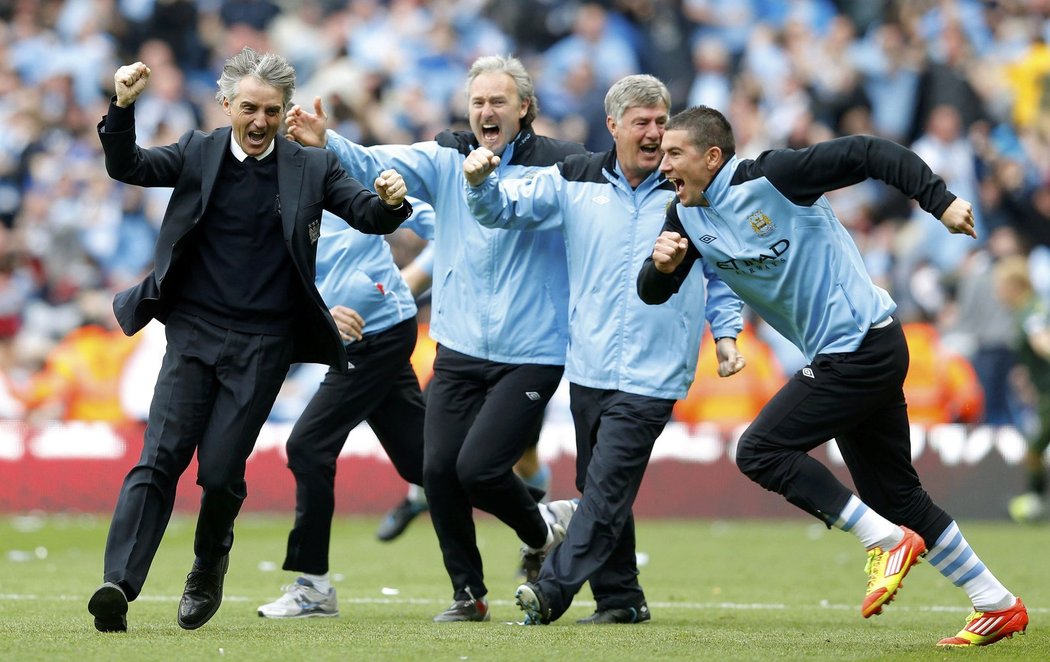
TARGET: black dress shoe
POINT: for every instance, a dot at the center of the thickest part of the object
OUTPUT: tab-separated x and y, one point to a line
638	614
203	594
109	606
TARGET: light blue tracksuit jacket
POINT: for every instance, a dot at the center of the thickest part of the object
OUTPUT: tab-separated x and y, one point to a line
616	341
357	270
497	296
768	230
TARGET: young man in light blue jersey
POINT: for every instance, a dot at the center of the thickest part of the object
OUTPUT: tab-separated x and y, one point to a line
627	362
375	312
499	315
767	228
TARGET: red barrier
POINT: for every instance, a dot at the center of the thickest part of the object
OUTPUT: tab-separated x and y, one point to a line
80	466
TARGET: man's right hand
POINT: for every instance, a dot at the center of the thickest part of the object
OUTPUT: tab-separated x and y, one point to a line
129	81
478	165
349	323
669	251
305	127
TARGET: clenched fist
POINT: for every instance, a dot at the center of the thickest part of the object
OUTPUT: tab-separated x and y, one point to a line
478	165
391	188
958	218
669	251
129	81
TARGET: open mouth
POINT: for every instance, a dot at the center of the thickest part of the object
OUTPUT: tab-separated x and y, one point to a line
490	132
256	137
679	185
651	150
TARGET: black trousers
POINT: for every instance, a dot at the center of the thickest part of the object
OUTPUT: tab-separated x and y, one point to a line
857	399
615	434
480	418
213	394
382	389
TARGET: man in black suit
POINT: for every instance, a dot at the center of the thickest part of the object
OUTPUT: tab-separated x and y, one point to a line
233	282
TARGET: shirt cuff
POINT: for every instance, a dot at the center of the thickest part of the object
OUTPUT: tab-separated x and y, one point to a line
119	119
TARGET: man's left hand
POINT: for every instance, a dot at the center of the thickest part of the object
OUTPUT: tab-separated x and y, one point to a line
391	188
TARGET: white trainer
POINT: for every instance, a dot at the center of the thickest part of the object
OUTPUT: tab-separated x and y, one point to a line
558	515
302	600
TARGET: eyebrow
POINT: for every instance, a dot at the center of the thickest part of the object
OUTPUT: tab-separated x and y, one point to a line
248	102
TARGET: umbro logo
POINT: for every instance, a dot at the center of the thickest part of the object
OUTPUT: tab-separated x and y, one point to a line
532	395
350	366
808	372
600	200
707	239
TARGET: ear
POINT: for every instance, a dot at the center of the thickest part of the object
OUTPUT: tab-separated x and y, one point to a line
524	109
610	124
713	157
226	106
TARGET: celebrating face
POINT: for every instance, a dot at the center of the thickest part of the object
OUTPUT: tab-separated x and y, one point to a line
637	136
496	110
255	111
688	168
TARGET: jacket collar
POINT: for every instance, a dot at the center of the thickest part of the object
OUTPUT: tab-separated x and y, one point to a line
240	154
614	173
717	190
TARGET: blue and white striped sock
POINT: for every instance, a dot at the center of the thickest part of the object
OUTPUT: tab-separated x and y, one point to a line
955	559
871	528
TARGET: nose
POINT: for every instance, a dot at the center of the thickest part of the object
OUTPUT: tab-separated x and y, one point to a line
665	166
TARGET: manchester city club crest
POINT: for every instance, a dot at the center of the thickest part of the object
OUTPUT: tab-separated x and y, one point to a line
761	224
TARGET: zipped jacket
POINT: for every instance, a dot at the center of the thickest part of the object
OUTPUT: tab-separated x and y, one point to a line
616	341
769	231
497	296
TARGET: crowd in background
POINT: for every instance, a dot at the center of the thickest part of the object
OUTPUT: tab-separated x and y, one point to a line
964	83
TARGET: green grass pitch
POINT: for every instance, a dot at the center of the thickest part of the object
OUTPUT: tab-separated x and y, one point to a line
718	590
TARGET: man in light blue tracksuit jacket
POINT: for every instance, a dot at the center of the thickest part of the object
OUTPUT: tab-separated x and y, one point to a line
375	313
499	314
627	362
768	229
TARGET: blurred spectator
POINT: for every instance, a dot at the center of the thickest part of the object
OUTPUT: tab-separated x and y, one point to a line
594	48
712	85
81	377
1030	78
948	152
941	386
981	326
663	45
1032	316
944	80
890	66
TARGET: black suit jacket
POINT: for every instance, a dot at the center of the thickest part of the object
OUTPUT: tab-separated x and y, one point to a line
308	180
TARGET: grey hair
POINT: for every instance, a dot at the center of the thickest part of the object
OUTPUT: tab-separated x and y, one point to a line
512	66
268	68
637	91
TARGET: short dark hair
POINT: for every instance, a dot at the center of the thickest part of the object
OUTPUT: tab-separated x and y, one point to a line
707	128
